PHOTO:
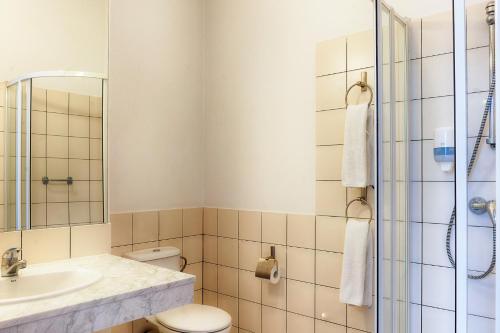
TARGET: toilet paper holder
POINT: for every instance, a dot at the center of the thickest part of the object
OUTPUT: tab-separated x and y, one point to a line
273	253
267	268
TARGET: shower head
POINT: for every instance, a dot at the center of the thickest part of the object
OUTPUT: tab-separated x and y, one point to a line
490	13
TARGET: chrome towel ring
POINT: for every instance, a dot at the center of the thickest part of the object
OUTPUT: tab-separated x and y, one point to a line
364	202
364	87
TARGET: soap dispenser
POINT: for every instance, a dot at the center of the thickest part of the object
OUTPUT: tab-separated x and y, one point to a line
444	148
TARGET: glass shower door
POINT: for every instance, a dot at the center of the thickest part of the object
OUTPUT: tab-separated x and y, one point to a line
476	166
477	295
14	159
393	173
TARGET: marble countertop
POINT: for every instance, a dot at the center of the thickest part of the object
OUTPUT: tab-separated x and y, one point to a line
121	279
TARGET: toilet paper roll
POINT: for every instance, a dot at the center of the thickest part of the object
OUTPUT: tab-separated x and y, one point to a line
275	275
267	269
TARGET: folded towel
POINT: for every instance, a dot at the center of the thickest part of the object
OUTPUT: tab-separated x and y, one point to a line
356	171
356	285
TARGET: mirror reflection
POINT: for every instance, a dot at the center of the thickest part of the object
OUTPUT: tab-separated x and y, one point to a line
54	99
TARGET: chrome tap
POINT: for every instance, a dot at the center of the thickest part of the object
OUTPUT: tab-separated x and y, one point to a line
11	263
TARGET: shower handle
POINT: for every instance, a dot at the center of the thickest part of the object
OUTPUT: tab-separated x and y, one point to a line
479	206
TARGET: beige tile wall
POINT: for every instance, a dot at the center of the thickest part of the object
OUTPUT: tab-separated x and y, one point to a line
66	141
339	64
182	228
2	154
309	253
49	244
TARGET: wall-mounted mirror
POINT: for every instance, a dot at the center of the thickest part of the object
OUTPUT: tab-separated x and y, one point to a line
53	85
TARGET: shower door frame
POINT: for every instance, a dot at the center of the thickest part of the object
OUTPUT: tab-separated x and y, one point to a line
28	79
380	276
461	195
497	165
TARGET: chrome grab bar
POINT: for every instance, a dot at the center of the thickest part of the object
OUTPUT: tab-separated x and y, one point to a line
67	180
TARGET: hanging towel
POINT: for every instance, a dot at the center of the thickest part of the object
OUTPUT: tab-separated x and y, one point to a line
355	162
356	285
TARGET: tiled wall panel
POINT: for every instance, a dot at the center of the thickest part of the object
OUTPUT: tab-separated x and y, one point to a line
49	244
306	298
66	141
181	228
432	190
331	197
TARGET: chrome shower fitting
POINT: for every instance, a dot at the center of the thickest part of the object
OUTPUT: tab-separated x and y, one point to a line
490	20
480	206
490	13
470	166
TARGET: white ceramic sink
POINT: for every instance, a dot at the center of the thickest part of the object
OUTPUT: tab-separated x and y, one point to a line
32	285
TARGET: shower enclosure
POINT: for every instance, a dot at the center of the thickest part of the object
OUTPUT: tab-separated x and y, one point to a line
55	150
437	170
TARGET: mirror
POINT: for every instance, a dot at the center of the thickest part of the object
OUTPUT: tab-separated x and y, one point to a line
54	114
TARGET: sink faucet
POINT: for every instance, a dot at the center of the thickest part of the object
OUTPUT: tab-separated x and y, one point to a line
11	263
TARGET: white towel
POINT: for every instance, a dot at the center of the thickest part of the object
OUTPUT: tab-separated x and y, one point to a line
356	168
356	285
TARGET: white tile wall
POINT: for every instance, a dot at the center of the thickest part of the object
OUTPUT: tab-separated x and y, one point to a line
437	320
432	290
436	33
437	76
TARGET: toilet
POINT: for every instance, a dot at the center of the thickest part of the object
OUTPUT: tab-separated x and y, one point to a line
190	318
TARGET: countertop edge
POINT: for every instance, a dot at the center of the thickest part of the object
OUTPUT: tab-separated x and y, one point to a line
156	285
89	304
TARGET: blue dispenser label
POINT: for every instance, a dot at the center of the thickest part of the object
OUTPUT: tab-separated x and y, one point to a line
444	154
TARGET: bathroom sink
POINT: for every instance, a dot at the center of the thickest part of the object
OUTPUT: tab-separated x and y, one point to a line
32	285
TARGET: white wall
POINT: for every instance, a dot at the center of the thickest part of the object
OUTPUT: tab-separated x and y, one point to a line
155	103
258	149
260	98
53	35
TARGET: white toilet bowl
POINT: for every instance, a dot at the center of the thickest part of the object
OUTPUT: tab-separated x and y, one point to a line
190	318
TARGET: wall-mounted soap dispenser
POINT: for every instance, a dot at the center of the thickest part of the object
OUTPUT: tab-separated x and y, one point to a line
444	148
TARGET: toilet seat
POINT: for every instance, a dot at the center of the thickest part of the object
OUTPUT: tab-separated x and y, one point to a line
193	318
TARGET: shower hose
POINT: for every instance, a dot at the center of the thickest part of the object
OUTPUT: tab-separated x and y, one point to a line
472	161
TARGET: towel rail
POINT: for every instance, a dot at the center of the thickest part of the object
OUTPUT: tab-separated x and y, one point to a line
364	202
363	84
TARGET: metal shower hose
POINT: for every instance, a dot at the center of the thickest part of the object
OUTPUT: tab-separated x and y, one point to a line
469	169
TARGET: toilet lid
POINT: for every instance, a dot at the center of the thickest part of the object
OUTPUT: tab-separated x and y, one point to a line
195	318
